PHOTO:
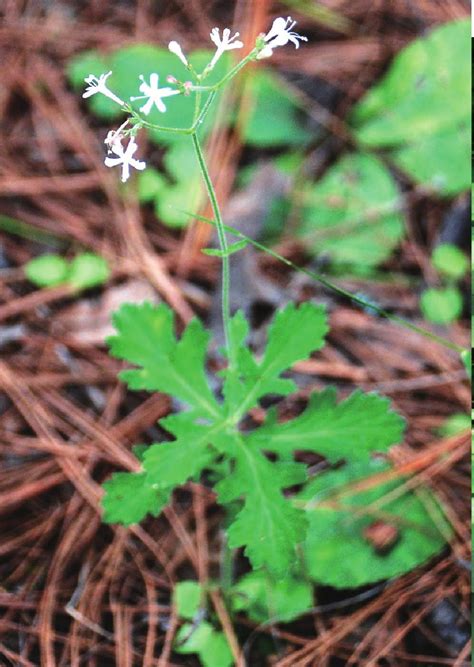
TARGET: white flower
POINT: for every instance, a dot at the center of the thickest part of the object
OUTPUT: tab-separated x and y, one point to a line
114	136
224	43
279	35
153	93
125	156
175	48
98	85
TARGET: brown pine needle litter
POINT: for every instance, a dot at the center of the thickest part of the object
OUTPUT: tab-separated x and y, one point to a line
74	591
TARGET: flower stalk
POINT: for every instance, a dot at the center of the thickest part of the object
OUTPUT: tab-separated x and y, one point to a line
280	33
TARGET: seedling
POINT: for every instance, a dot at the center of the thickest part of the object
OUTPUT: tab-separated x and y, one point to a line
84	271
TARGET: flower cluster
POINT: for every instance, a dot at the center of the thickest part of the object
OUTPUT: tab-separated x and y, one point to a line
280	34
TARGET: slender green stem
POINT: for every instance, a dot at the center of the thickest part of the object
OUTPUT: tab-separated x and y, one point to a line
223	245
199	117
335	288
230	75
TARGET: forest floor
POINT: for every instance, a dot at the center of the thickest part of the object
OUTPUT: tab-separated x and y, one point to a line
74	591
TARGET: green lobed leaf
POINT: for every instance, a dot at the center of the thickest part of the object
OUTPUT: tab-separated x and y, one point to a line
129	498
351	213
353	429
169	464
295	332
267	525
263	598
337	549
166	465
145	338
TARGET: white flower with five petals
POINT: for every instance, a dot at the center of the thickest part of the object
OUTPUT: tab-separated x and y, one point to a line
153	94
279	35
99	85
124	156
224	43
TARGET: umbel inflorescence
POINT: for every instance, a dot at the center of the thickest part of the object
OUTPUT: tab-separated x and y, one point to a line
153	96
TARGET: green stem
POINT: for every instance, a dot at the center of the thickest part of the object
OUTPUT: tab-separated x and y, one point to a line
335	288
198	119
219	224
230	75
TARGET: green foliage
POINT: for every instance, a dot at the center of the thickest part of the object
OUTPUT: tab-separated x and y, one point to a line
210	645
271	118
184	187
151	183
88	270
263	598
202	638
47	270
450	261
444	305
420	110
352	430
145	337
84	271
348	543
466	358
351	213
188	596
441	306
266	523
455	424
128	497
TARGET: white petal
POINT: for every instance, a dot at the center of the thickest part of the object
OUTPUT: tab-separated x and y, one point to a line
147	107
278	25
112	161
154	79
138	164
175	48
125	172
266	52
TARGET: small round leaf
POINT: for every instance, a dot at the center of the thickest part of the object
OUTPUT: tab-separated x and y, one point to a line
47	270
88	270
441	306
